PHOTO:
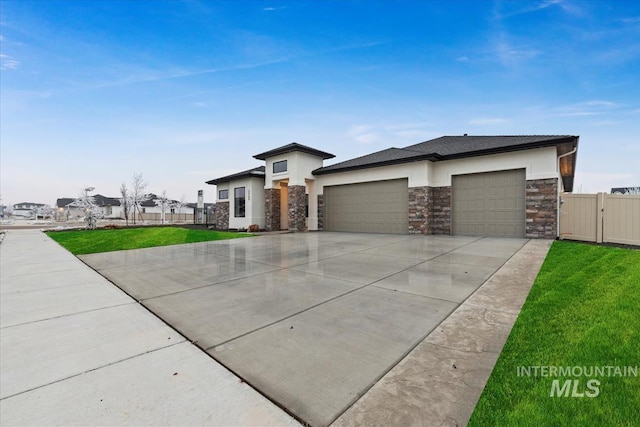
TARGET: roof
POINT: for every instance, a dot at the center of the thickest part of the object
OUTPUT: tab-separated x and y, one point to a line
380	158
625	190
250	173
106	201
99	199
447	148
294	146
64	201
29	203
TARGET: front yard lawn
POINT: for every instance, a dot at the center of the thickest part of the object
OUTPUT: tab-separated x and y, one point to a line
583	312
93	241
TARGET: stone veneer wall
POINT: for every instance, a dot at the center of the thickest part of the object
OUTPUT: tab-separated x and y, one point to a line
419	198
297	204
542	208
320	212
272	209
222	216
440	210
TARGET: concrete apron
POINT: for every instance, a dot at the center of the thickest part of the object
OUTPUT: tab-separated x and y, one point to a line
441	380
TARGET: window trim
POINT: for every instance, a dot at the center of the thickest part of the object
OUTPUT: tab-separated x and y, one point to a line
280	162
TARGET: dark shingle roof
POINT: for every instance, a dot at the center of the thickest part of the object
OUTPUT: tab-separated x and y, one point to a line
456	145
294	146
64	201
98	198
106	201
389	156
251	173
446	148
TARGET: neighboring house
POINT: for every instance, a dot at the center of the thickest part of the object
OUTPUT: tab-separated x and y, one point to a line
625	190
109	207
149	206
26	209
65	209
464	185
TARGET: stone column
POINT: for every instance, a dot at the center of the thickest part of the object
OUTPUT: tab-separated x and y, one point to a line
440	210
222	216
419	210
297	202
542	208
320	212
272	209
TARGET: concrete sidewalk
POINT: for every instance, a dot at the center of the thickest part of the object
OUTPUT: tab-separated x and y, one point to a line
75	350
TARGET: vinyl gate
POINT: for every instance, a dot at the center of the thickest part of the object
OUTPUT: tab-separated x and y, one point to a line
600	218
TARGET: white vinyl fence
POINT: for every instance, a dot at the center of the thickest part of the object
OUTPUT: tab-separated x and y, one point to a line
600	218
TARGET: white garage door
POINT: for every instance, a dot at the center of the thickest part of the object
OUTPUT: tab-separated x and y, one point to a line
489	204
370	207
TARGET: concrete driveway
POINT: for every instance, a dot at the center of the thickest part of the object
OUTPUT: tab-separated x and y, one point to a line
312	320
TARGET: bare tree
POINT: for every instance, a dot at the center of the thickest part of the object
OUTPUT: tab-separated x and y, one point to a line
125	201
138	195
163	203
178	205
92	212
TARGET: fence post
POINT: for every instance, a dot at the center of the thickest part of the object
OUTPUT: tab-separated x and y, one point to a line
599	216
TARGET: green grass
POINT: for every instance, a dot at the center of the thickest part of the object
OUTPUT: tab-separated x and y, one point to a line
583	310
93	241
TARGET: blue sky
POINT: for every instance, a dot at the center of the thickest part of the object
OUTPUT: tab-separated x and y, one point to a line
186	91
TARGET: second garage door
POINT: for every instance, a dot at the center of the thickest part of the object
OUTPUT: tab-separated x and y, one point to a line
489	204
370	207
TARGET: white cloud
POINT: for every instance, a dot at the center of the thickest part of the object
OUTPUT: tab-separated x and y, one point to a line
487	121
271	9
587	108
463	59
508	54
8	62
508	9
631	20
363	134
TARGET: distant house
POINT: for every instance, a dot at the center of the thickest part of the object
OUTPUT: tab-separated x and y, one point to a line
626	190
26	209
109	206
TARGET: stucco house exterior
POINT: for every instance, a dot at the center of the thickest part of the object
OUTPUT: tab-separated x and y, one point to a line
464	185
26	209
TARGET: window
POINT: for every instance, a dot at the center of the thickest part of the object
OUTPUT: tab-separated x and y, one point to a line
223	194
306	205
280	166
238	194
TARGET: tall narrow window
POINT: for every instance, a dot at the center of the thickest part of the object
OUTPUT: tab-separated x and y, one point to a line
280	166
239	202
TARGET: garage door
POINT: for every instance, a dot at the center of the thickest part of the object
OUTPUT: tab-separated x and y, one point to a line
370	207
489	204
